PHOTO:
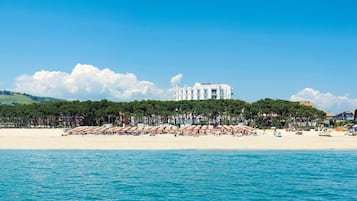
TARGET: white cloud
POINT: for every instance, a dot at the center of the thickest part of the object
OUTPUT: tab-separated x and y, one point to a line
176	79
88	82
326	101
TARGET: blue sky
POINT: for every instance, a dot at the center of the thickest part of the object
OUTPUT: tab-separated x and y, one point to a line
298	50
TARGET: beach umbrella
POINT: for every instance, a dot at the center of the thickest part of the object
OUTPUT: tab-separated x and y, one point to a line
203	129
148	128
354	128
154	130
167	129
118	130
161	129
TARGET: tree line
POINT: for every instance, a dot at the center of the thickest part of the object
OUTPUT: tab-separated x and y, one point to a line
263	113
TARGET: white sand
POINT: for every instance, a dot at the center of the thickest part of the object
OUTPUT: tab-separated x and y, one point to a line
52	139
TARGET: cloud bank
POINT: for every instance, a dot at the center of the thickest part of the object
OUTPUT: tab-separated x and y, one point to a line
89	82
326	101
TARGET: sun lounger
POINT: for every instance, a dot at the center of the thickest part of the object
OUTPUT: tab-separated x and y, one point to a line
325	134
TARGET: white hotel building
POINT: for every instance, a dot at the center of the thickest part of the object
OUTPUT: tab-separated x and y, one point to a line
204	92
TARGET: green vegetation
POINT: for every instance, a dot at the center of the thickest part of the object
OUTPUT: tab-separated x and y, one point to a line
342	123
14	98
263	113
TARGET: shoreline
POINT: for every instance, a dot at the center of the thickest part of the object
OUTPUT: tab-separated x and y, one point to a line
52	139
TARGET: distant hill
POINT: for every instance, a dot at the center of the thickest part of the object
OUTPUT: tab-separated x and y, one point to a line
15	98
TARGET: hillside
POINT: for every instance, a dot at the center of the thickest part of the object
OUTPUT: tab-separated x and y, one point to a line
14	98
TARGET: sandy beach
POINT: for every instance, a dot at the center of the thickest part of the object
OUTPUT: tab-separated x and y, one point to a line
53	139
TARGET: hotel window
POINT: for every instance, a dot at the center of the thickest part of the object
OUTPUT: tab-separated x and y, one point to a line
214	94
205	95
221	94
214	91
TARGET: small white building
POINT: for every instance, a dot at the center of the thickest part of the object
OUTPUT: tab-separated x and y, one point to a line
204	92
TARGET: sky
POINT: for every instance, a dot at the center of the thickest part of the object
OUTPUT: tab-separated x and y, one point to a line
125	50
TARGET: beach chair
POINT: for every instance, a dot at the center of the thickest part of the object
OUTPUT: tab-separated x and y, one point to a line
325	134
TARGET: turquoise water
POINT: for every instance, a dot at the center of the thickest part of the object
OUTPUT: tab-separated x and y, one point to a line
178	175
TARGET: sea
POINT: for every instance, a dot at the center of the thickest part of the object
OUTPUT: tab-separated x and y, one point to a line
177	175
